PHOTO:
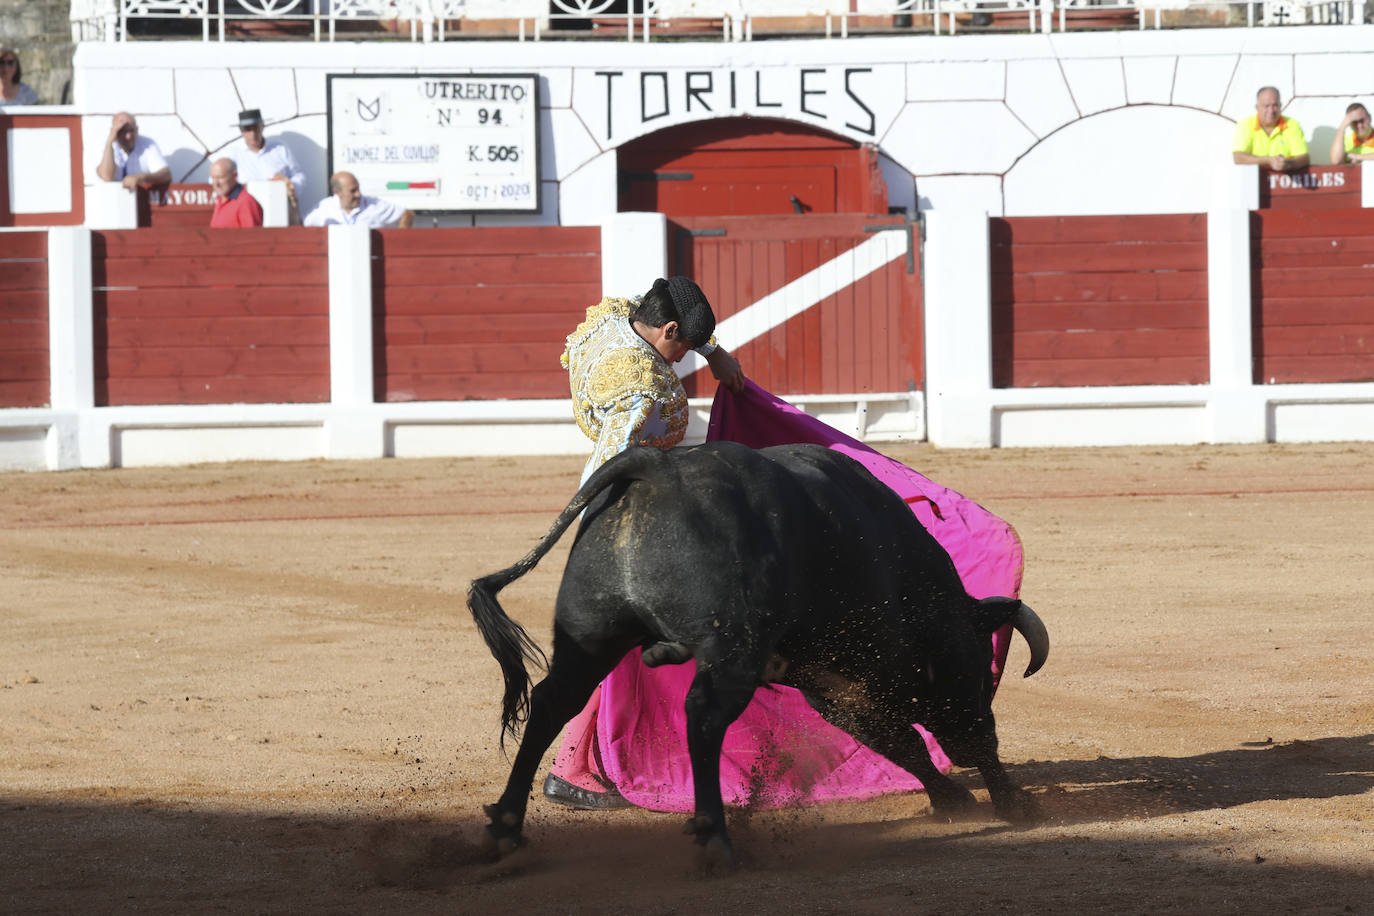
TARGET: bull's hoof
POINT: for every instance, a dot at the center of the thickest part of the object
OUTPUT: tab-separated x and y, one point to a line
716	856
1019	807
951	801
503	834
699	826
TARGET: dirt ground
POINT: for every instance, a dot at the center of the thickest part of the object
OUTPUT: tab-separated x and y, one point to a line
256	688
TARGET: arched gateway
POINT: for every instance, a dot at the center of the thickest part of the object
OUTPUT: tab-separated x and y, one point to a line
787	229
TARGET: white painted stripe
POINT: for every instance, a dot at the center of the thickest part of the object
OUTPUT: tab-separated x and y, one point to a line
808	290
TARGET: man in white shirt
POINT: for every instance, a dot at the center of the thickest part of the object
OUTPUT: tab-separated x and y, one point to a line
260	159
130	159
349	207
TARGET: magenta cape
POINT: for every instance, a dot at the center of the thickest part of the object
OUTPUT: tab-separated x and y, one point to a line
780	751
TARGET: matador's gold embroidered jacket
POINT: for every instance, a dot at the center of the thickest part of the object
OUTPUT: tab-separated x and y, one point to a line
623	392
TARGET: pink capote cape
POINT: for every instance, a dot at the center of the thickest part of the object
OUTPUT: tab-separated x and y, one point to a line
780	751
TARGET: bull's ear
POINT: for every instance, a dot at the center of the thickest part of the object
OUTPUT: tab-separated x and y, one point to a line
991	614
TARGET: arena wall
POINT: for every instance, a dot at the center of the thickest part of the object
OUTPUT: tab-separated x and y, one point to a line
975	393
1017	346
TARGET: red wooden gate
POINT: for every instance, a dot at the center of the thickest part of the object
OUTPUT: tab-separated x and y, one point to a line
816	304
749	166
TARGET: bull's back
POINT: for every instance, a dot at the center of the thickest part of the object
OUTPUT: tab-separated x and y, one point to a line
798	535
861	520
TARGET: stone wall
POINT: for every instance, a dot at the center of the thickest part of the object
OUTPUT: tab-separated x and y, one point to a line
40	31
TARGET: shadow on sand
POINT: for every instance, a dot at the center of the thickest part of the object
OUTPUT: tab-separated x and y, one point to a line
114	851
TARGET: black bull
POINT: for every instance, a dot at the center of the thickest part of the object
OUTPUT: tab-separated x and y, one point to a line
790	564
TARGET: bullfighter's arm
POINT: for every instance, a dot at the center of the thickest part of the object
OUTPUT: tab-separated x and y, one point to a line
621	427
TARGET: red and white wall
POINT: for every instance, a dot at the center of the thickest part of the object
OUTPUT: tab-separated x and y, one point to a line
168	346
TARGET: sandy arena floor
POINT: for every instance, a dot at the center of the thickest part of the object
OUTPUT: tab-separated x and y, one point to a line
256	688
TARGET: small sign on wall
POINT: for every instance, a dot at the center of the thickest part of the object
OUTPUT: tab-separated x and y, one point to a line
439	142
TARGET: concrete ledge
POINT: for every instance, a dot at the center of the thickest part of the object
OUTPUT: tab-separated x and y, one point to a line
38	439
189	434
1183	415
24	448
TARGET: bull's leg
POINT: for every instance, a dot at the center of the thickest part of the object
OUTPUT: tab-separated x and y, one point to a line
898	742
573	675
979	750
718	696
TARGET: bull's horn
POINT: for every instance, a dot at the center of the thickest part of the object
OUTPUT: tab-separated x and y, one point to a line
1032	629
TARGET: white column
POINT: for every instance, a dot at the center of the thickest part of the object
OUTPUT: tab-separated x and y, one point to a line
634	252
1367	183
1236	415
1237	188
110	205
71	347
958	324
71	343
271	196
354	429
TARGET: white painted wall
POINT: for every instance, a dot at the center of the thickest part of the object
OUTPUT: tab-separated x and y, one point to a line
1005	123
1089	166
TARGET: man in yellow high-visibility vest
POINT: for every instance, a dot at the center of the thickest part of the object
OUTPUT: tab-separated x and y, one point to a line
1269	139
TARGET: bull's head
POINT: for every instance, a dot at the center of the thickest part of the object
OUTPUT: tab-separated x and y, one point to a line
959	711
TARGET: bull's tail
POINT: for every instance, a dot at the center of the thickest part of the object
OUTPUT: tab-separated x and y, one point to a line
508	641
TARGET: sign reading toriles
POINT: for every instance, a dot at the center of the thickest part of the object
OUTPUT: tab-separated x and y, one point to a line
439	142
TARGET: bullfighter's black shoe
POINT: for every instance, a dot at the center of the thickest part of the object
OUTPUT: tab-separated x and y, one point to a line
565	793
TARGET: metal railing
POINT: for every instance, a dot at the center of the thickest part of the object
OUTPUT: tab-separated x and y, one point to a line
640	20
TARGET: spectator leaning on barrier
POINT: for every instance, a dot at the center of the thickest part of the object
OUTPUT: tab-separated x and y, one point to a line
234	206
1269	139
260	159
1354	138
12	91
132	159
348	206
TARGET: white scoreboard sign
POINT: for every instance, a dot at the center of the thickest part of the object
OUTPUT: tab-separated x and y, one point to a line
439	142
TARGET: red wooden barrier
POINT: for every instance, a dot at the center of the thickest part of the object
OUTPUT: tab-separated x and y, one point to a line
867	336
1321	187
479	313
24	320
1099	300
1312	286
211	316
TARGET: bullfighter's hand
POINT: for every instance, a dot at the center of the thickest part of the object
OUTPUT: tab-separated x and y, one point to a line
726	369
